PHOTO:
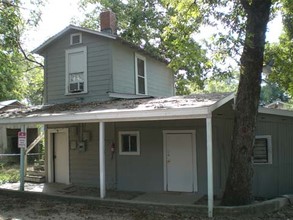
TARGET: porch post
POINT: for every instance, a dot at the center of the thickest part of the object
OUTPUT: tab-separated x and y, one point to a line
210	166
22	163
102	160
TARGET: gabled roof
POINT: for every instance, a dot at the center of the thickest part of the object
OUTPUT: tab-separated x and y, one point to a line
176	107
52	39
13	103
39	49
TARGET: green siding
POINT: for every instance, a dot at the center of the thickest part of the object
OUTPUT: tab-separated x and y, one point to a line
160	79
123	69
99	62
146	171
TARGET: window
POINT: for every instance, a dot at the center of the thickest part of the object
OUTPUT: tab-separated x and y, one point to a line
262	150
129	143
76	70
140	73
75	39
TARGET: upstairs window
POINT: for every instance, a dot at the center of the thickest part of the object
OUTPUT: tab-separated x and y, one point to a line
140	73
262	150
75	39
129	143
76	70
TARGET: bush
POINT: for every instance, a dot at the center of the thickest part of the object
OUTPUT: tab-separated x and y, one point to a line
9	173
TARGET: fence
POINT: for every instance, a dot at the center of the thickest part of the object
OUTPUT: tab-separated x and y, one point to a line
15	158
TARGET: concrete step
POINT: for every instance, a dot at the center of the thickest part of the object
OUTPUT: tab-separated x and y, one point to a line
35	173
39	167
34	179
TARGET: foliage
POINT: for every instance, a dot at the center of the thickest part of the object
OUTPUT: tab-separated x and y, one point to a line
9	173
9	34
272	92
13	58
279	55
282	69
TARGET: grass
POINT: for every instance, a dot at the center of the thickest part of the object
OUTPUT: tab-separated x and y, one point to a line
9	173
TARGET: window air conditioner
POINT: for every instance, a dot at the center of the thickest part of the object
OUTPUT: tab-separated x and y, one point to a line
76	87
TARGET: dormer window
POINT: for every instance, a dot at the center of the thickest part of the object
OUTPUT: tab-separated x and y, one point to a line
75	39
140	73
76	70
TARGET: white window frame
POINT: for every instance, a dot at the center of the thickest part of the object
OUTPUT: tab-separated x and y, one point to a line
73	35
137	56
136	133
270	148
70	51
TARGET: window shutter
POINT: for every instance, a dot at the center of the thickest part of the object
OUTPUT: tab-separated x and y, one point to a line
260	151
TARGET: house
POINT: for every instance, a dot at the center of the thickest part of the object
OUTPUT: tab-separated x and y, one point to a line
112	121
8	133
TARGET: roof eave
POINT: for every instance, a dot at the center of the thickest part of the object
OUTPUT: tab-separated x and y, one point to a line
112	116
221	102
40	48
272	111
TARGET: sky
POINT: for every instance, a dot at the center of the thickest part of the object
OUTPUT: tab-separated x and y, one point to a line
57	15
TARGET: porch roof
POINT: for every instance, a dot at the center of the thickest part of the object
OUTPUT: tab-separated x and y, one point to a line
176	107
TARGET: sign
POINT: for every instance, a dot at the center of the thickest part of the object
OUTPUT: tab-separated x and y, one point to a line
21	139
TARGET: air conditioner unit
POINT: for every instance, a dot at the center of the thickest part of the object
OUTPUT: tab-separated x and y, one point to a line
76	87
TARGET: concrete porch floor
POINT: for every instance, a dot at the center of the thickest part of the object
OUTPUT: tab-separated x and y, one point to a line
94	193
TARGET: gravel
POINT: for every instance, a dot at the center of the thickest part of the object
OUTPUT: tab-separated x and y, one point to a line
14	207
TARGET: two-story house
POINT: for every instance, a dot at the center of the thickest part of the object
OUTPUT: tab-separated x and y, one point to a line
112	121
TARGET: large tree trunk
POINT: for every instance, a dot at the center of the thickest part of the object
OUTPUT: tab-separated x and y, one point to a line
238	189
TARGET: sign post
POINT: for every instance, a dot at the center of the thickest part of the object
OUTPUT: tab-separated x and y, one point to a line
22	145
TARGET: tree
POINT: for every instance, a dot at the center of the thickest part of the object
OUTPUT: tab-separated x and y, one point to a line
9	33
238	189
17	66
280	54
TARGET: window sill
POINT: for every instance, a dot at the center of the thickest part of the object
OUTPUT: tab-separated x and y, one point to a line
129	153
75	93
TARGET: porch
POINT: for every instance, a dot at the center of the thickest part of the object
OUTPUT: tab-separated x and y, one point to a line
93	193
147	133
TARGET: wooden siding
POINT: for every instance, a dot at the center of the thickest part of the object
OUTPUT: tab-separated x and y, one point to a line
146	171
99	61
84	166
269	180
160	79
123	69
277	178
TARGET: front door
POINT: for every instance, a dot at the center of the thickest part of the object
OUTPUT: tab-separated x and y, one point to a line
60	155
180	161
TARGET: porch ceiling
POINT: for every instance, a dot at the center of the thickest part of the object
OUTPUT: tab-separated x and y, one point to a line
176	107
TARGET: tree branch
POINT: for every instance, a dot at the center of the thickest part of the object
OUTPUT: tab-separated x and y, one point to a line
29	59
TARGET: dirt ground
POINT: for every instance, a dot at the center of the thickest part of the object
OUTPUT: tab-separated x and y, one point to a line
14	207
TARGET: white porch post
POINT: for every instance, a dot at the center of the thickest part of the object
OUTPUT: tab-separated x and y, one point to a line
22	163
210	166
102	160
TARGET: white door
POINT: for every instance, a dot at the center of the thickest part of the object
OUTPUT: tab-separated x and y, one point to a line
180	166
61	156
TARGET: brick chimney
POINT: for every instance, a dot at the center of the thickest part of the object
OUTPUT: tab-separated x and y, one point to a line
108	22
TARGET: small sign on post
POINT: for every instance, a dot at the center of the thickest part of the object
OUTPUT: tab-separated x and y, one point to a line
21	139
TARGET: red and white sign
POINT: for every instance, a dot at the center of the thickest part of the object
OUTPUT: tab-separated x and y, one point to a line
21	139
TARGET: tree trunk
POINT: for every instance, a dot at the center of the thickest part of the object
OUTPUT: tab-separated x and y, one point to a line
238	189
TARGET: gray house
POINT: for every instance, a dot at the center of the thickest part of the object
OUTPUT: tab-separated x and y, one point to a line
112	121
